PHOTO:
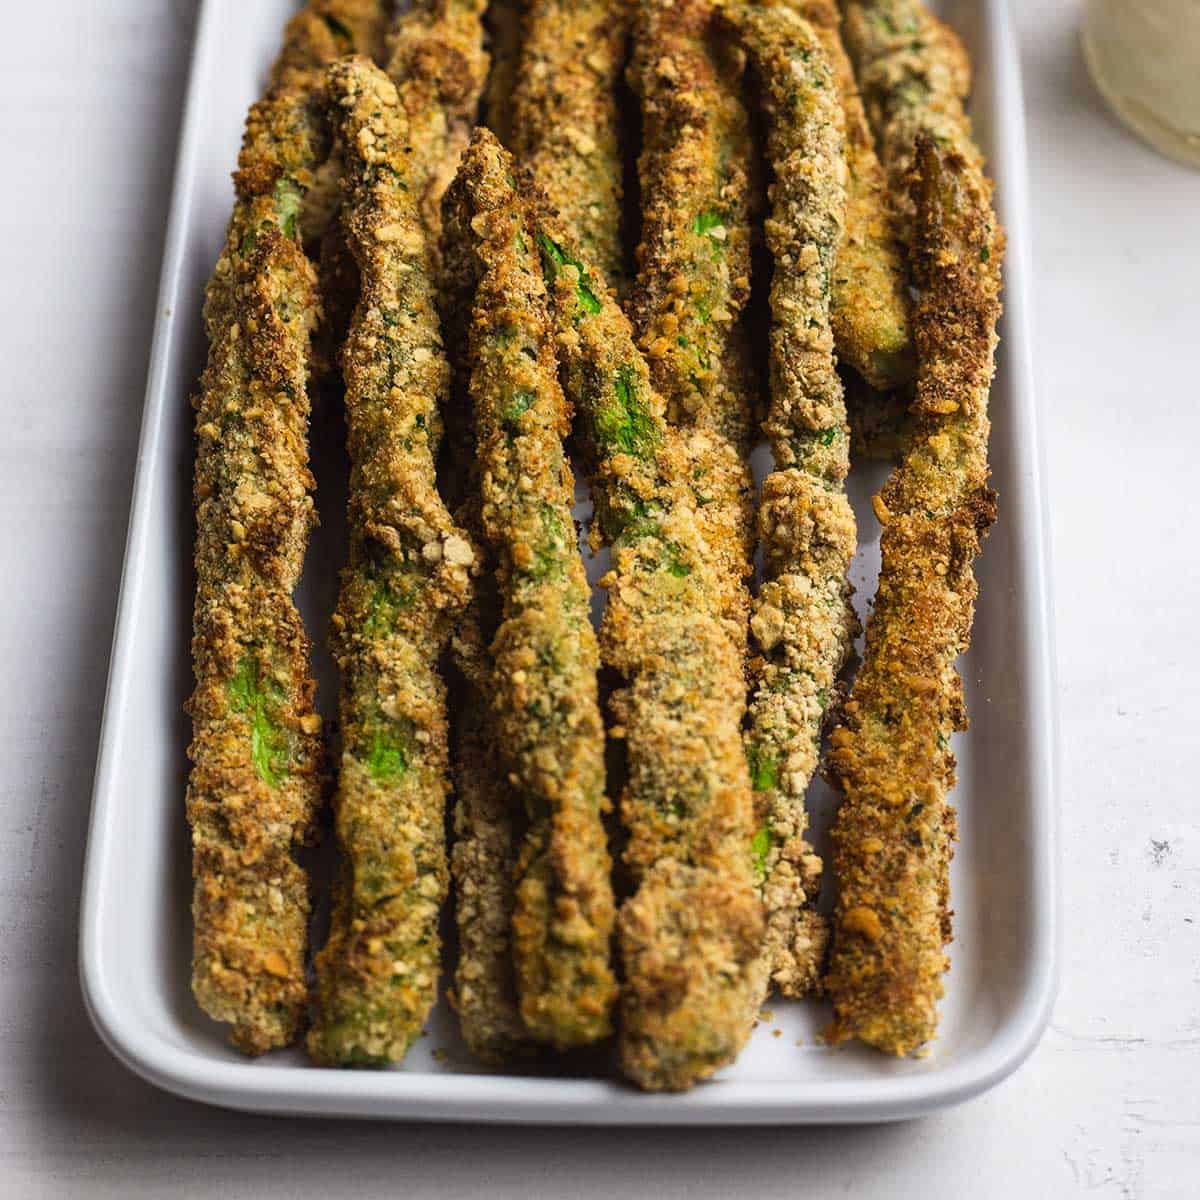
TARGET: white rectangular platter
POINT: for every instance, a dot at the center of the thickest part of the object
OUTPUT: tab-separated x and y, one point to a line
135	927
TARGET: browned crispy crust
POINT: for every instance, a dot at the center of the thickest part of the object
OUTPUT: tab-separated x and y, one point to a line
406	584
548	729
892	759
913	74
870	297
693	262
333	28
256	750
802	621
691	935
565	123
440	67
484	856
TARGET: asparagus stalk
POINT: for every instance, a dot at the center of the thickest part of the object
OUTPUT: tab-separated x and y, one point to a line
440	67
256	751
488	810
405	585
690	936
893	838
346	27
914	75
694	256
548	724
323	31
870	297
694	264
565	121
802	620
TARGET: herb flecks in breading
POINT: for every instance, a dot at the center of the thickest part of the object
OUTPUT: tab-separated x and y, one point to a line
693	277
802	621
547	715
256	748
894	833
565	121
690	936
377	975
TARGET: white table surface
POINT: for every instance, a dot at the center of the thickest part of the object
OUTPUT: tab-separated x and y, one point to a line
1109	1104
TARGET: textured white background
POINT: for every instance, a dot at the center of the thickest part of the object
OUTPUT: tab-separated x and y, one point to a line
1109	1105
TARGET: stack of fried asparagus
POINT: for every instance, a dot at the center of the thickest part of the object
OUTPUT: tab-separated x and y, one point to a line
485	292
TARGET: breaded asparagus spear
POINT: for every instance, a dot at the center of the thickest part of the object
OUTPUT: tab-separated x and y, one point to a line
488	810
693	276
256	750
565	123
694	256
317	35
894	832
802	620
405	585
691	935
483	860
548	727
870	295
324	31
914	75
440	67
437	60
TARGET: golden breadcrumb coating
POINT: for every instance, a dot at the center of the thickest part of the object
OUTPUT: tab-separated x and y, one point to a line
488	812
483	859
693	277
325	30
803	621
256	751
870	287
548	729
691	935
913	74
894	832
565	123
338	27
406	584
440	67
